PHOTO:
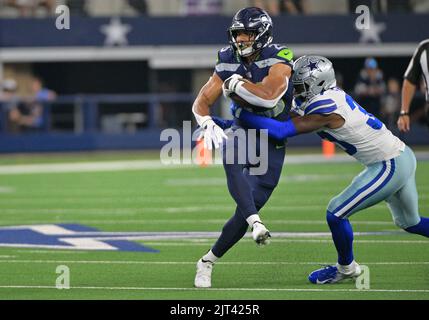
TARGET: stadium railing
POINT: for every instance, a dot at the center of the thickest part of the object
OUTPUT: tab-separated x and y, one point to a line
120	121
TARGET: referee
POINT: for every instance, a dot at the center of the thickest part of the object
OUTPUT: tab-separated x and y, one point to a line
418	67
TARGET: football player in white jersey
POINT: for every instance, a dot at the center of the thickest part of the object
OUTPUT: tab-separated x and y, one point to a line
390	164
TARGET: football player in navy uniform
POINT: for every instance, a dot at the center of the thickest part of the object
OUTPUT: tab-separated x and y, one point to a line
255	74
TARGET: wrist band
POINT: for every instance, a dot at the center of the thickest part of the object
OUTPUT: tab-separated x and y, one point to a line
404	113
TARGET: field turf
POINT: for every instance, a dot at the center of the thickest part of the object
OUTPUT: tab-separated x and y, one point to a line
196	200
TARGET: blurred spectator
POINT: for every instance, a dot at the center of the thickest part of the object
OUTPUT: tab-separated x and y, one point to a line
139	5
202	7
391	103
293	6
22	116
77	7
382	6
340	79
8	92
39	93
370	87
28	8
396	6
420	6
373	5
26	115
271	6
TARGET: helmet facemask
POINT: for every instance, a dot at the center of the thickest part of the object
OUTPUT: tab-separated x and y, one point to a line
244	49
258	26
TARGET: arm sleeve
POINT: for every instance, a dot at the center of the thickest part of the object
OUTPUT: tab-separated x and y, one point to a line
276	129
223	123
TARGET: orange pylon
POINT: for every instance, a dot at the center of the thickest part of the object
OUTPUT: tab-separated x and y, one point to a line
203	155
328	148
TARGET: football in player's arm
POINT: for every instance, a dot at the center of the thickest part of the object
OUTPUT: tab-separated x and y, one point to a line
265	94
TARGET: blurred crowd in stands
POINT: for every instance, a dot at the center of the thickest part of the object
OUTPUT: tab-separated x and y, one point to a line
24	113
43	8
381	97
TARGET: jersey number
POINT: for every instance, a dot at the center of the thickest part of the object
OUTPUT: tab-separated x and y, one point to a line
372	121
347	147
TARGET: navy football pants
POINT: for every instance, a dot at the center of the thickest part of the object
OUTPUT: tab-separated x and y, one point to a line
250	192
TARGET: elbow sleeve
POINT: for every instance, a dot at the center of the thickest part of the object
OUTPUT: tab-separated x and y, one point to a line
258	101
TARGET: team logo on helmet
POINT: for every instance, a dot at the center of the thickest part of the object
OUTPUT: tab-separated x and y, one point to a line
255	22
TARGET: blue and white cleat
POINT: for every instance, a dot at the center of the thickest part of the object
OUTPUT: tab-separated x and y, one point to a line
333	274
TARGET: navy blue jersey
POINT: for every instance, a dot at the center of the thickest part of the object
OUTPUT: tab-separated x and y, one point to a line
229	63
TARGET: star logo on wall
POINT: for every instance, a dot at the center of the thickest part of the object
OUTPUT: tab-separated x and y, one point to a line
371	34
116	33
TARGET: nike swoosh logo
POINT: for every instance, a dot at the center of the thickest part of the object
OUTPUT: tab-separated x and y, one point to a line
280	147
321	282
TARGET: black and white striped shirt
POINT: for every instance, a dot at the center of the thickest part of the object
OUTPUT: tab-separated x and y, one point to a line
419	66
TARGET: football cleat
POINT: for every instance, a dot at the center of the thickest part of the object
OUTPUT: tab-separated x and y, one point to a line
260	234
203	278
331	274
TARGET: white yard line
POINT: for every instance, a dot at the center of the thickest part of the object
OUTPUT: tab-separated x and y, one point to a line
173	210
215	289
175	263
5	189
274	241
179	235
285	179
153	164
194	221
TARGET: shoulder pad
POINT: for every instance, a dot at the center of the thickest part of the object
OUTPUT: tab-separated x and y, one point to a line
280	52
226	54
321	104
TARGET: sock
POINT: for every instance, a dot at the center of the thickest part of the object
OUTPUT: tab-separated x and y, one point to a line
421	228
342	234
252	219
349	269
209	257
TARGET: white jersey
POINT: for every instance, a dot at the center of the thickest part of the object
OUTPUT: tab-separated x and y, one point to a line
362	136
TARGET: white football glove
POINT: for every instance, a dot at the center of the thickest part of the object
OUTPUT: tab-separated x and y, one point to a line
230	84
212	134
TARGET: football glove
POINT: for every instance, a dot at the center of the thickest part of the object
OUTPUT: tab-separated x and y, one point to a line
230	84
212	134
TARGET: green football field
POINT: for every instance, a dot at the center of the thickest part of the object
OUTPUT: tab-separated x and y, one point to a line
194	199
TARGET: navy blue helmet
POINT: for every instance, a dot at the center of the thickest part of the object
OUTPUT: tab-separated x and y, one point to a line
253	21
